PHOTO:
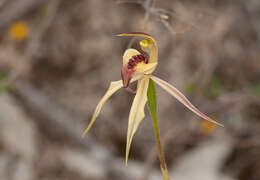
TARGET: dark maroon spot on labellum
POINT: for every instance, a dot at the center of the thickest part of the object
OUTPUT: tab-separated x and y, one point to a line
137	59
132	63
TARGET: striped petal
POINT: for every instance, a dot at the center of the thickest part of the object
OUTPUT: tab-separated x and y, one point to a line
180	97
137	112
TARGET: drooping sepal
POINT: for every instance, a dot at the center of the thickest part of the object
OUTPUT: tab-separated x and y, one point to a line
137	112
114	86
180	97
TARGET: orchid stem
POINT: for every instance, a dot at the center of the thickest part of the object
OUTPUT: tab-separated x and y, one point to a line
160	151
151	94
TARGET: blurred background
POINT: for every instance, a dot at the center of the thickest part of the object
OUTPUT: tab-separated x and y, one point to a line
58	57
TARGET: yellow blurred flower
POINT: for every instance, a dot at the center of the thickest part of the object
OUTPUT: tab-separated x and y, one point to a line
19	30
207	127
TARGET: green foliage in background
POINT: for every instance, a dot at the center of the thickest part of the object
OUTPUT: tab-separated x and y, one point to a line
191	88
255	88
3	86
216	87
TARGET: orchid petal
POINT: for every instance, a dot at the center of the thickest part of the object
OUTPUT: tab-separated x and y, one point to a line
137	112
141	67
150	43
180	97
146	68
129	53
114	86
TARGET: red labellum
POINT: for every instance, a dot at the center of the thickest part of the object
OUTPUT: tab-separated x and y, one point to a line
129	68
127	74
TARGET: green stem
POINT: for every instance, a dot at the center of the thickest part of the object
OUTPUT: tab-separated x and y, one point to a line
151	94
160	151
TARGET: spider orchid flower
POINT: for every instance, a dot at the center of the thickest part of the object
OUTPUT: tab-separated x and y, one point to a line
139	67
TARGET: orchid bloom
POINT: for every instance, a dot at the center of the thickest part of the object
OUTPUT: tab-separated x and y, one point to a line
139	67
